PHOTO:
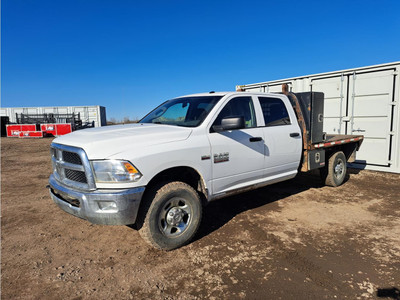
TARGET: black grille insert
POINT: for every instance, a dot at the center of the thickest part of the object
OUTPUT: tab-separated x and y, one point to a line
74	175
72	158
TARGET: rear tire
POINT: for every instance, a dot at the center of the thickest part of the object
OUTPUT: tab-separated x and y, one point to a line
171	215
335	172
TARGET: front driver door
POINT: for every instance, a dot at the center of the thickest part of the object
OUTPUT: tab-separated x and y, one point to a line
238	155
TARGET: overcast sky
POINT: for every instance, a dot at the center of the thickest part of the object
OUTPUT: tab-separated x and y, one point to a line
130	56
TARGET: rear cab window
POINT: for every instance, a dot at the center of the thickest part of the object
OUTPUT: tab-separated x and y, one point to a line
274	111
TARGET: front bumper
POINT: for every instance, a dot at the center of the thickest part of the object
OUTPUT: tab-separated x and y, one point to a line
108	207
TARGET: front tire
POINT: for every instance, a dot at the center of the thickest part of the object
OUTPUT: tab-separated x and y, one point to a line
335	172
171	215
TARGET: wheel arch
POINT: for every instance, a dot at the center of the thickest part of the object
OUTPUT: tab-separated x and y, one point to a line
184	174
347	149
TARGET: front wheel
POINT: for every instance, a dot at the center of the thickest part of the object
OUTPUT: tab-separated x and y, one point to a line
171	215
335	172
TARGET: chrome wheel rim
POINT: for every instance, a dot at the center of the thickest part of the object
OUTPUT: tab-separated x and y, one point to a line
339	169
175	217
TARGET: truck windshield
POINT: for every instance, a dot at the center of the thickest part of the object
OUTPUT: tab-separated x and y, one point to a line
186	111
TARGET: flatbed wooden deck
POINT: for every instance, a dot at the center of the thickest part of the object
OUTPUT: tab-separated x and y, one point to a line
338	139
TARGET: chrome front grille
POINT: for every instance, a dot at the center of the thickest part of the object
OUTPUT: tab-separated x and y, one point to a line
72	167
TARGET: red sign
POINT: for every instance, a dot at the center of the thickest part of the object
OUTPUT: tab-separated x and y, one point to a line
15	130
62	129
27	134
29	130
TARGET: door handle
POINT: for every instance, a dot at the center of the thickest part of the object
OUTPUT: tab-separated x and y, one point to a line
294	134
255	139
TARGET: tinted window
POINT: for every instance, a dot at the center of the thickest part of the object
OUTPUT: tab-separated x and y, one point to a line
175	112
274	111
238	107
187	111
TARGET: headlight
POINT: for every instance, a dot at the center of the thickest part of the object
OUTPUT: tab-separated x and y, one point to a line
115	171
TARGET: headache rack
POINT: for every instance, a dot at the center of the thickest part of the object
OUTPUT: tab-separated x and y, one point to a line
309	110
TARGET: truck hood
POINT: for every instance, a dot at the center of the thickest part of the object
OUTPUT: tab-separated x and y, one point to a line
104	142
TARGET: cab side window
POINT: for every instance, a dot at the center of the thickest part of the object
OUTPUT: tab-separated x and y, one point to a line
274	111
237	107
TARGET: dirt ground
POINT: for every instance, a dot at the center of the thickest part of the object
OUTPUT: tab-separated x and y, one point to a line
293	240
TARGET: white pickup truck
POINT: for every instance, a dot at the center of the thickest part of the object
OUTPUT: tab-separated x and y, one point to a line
160	172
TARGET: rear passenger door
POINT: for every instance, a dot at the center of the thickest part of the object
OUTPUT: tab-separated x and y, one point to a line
282	137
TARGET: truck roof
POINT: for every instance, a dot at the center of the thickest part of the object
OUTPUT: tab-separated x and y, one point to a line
226	93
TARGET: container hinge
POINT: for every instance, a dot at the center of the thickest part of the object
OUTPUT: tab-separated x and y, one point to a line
395	72
391	133
393	103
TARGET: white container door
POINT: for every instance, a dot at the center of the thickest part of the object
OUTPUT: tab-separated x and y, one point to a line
335	95
370	114
360	103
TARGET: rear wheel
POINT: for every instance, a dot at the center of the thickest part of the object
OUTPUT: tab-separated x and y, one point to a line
335	171
171	215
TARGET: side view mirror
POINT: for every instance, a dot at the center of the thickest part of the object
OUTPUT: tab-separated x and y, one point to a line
230	123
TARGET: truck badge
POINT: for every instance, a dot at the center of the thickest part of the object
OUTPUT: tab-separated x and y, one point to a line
221	157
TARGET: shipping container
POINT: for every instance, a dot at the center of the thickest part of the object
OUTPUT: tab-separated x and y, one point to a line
357	101
88	114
